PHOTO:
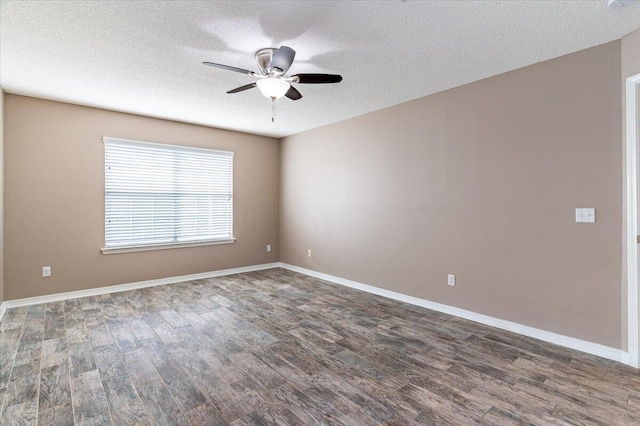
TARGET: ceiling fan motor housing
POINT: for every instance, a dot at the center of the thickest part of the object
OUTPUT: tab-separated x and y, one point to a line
264	57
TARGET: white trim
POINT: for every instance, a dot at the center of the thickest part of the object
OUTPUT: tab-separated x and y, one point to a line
1	201
130	286
632	221
547	336
131	249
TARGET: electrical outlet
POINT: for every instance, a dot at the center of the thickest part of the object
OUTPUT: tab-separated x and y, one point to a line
46	271
451	280
309	253
268	247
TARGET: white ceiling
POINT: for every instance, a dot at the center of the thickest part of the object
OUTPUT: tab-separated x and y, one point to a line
145	57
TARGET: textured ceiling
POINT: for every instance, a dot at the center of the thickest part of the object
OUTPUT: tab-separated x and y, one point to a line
145	57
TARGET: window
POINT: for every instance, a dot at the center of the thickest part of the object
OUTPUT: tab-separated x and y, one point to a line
158	195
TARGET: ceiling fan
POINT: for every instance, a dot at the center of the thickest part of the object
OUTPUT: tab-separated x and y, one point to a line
272	83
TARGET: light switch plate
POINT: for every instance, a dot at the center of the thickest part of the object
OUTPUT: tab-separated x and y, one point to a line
585	215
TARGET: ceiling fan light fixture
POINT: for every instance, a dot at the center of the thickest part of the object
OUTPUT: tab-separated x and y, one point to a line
273	88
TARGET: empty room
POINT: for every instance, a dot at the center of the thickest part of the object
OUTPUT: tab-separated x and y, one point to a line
319	212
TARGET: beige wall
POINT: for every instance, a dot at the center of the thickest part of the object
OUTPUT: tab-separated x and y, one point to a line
630	66
631	54
54	197
480	181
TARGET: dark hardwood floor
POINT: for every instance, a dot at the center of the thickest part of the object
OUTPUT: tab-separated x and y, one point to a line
276	347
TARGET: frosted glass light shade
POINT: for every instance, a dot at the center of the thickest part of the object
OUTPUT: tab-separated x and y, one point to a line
273	88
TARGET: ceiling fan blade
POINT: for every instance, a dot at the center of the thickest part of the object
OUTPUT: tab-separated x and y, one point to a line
293	94
228	68
242	88
317	78
283	58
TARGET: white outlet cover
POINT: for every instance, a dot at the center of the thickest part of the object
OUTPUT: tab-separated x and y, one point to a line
46	271
451	280
268	247
585	215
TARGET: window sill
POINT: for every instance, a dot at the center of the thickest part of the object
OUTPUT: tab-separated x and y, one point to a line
130	249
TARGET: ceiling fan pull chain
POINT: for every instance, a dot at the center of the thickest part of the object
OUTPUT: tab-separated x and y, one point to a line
273	110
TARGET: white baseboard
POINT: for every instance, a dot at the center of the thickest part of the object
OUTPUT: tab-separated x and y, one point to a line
130	286
547	336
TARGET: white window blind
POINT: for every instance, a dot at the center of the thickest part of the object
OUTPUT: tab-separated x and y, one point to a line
157	194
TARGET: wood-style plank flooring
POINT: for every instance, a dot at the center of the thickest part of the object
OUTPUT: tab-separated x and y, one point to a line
276	347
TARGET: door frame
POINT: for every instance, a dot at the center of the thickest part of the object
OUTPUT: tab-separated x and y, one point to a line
633	301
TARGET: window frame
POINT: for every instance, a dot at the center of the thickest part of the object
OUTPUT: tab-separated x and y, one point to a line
170	245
